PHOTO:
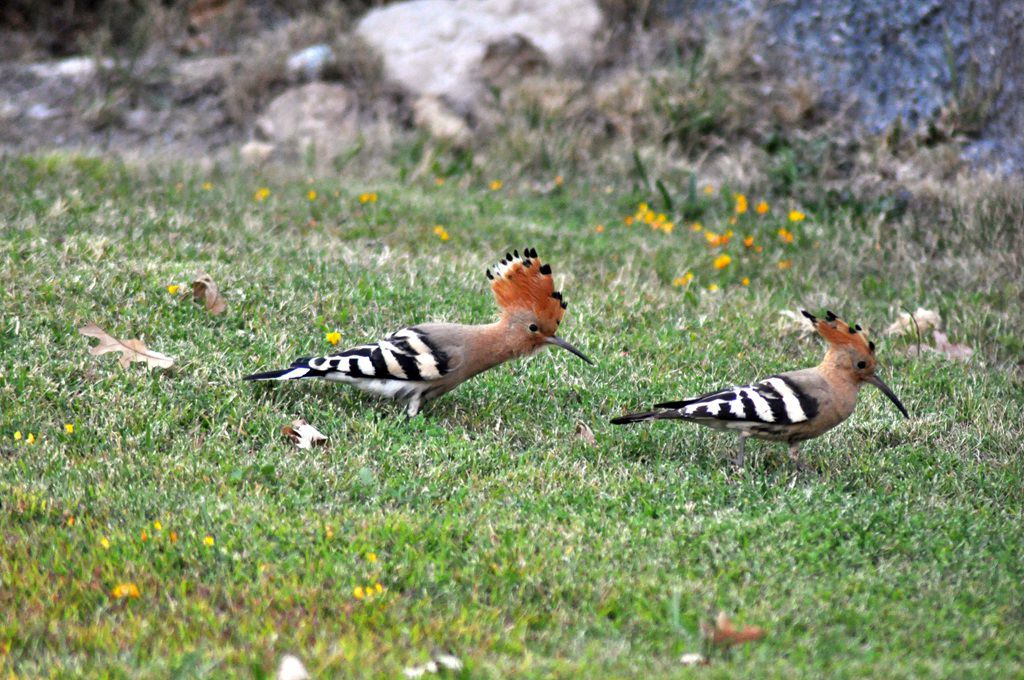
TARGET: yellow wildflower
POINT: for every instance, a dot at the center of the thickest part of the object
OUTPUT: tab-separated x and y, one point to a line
207	186
682	280
628	219
496	185
311	195
334	337
173	536
144	536
123	590
358	592
71	521
17	436
732	220
441	232
722	261
559	180
649	217
378	587
748	241
368	197
713	287
785	264
208	541
104	543
762	208
696	226
371	557
31	439
741	204
157	525
328	532
708	189
642	208
599	229
745	281
786	235
173	289
69	428
261	194
667	227
796	216
439	181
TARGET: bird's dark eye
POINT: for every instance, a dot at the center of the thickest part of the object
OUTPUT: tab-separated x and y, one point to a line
533	328
862	364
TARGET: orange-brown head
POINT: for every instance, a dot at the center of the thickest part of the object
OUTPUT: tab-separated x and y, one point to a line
530	306
851	353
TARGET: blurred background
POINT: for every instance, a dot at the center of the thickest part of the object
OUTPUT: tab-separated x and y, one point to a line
866	96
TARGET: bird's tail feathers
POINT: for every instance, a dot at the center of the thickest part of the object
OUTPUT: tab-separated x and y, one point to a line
631	418
299	369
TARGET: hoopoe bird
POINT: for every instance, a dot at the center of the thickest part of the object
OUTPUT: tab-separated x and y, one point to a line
790	407
419	363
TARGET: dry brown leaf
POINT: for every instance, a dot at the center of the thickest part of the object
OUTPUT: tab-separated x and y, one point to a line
922	320
793	322
131	350
584	433
944	347
951	350
722	633
206	291
303	434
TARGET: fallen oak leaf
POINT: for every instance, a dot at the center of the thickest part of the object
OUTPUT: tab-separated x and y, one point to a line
722	633
584	433
205	290
131	350
942	347
793	322
303	434
949	349
919	321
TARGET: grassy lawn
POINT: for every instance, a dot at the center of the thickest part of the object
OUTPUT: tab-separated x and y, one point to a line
494	532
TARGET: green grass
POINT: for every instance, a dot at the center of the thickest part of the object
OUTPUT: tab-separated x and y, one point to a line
499	535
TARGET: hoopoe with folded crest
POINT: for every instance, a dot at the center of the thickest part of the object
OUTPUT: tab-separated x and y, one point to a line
419	363
790	407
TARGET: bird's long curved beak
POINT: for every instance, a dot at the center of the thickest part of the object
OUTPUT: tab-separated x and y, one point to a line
877	382
555	340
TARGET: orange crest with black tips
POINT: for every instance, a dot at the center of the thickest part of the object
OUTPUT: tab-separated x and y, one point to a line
524	282
839	333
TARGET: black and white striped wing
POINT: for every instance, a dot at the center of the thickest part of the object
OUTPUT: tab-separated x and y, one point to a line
406	355
774	402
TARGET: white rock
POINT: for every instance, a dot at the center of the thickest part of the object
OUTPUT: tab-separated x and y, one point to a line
256	152
41	112
75	67
291	669
324	115
310	62
431	114
435	47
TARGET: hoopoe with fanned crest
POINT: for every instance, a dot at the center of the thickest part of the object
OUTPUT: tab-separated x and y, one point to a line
422	362
790	407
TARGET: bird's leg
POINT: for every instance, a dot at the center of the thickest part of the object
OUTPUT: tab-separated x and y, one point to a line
794	457
738	459
413	407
